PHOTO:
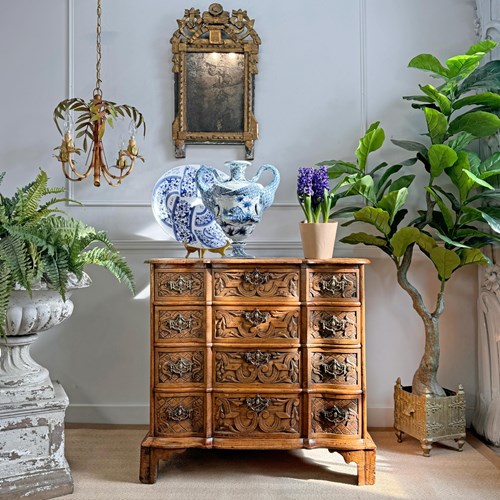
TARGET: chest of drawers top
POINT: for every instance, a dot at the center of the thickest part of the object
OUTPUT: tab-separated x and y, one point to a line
194	281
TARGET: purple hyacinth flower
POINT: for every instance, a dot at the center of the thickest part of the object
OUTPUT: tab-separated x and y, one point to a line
320	182
305	182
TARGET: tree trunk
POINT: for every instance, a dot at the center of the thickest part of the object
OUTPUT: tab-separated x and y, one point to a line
425	378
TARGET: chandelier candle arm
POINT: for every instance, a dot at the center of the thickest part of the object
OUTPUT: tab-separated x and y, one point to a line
91	125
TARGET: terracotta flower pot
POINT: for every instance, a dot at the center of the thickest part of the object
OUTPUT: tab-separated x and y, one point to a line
318	239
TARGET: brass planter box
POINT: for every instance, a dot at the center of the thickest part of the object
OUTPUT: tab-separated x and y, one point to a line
429	418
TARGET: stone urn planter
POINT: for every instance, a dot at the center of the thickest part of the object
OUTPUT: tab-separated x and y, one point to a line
429	418
32	407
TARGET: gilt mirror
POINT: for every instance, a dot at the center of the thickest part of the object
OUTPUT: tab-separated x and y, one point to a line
215	62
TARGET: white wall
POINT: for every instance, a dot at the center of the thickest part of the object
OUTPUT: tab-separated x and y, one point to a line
327	68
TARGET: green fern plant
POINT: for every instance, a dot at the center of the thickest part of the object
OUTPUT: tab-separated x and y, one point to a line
40	242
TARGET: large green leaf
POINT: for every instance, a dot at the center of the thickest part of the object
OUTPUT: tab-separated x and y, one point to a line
470	214
489	99
477	123
402	182
445	211
492	163
365	238
402	239
393	201
478	181
426	243
338	168
460	141
441	157
462	66
492	217
451	242
483	46
374	216
436	124
440	99
445	261
458	176
473	256
486	77
428	62
370	142
410	145
364	187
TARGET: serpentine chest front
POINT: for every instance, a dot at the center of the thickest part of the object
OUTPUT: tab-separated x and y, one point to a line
258	354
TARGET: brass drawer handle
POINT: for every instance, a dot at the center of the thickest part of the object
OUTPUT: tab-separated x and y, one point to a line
328	327
334	368
256	317
257	404
257	358
256	278
180	323
180	367
334	284
179	413
181	284
337	415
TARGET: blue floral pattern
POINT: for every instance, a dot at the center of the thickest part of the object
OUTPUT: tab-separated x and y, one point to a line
178	208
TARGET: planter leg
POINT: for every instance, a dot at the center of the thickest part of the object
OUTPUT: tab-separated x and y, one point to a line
460	442
400	435
426	447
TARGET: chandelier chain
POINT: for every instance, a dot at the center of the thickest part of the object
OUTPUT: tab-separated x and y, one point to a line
97	90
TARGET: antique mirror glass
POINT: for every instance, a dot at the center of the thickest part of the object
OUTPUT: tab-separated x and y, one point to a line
215	61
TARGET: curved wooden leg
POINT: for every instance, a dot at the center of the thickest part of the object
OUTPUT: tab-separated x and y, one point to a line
149	465
365	459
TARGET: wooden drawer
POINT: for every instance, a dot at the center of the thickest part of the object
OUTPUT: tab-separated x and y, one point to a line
337	369
253	283
180	415
338	285
180	324
180	366
261	367
334	325
336	415
179	286
256	415
257	324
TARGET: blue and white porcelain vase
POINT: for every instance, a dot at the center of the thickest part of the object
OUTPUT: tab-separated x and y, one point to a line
237	203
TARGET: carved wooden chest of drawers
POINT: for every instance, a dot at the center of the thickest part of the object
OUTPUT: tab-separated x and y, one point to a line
258	354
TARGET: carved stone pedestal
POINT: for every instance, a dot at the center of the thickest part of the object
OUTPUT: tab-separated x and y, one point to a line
32	461
429	418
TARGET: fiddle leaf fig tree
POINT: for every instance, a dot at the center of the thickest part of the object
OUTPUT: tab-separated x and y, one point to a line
451	228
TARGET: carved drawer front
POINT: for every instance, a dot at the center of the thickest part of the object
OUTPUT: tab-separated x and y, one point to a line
277	284
179	367
333	325
336	368
336	415
341	285
179	415
180	324
256	414
187	286
255	366
256	323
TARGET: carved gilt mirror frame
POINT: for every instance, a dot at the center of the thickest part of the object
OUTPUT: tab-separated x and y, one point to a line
215	59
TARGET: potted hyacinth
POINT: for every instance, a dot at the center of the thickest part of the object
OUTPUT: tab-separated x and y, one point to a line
316	231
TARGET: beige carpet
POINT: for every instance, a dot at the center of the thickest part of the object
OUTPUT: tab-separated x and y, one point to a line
105	466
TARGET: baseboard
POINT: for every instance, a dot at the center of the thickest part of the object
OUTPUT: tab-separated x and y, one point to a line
108	414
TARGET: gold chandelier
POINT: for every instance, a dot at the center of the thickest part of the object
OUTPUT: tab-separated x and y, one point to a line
92	117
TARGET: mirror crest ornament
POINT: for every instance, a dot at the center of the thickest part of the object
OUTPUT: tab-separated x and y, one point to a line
215	59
